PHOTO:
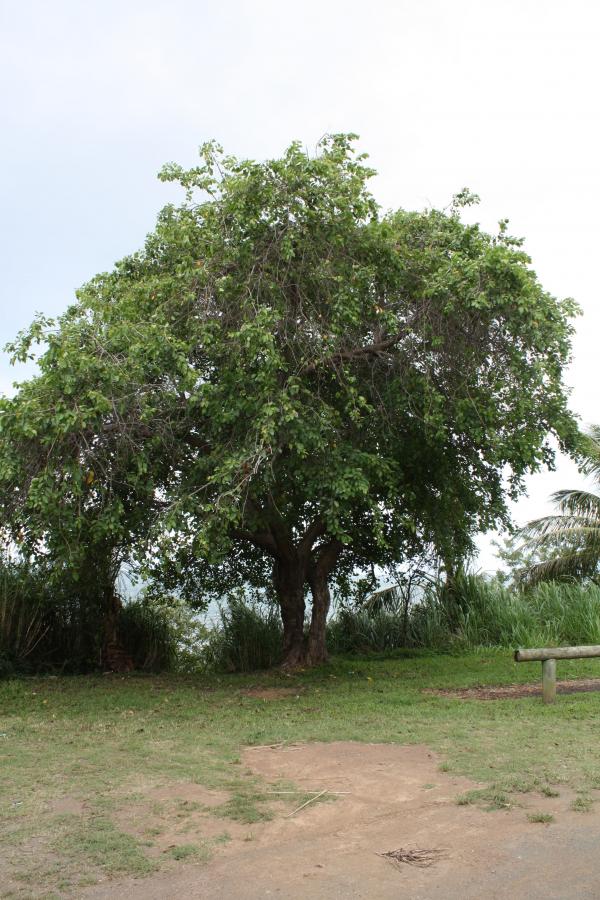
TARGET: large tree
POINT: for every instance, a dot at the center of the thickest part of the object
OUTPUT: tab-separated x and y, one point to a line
296	382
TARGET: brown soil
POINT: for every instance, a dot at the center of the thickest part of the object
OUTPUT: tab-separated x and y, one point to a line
387	797
178	813
67	805
187	792
259	693
514	691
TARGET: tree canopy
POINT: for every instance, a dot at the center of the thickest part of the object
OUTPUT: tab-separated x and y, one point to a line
286	379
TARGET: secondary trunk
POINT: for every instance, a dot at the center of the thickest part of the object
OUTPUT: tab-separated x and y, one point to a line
288	579
316	651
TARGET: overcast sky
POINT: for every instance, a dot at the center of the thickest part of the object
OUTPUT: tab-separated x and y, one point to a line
501	97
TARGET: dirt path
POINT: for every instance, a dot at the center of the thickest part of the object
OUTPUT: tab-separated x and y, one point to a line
515	691
397	797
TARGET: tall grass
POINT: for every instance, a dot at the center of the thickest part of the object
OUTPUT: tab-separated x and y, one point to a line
22	622
476	613
363	630
148	636
551	614
247	636
44	629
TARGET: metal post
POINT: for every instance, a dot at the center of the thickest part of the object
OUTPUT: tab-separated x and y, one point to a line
548	680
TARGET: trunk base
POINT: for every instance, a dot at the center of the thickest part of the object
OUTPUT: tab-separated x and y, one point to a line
114	656
305	656
294	658
316	656
116	659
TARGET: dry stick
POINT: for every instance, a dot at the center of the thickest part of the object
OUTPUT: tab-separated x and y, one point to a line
303	791
267	746
312	800
281	746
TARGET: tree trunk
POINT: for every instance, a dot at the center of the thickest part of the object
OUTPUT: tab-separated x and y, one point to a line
114	656
290	574
316	651
288	580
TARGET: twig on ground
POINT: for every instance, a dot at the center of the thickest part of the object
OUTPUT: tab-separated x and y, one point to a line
281	746
304	791
267	746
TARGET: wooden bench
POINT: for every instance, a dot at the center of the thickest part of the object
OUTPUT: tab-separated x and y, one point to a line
548	657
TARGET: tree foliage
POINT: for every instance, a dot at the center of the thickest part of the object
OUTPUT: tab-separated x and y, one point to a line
285	381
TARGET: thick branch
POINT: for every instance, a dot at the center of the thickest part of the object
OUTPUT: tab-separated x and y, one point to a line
327	557
261	539
278	527
314	531
355	353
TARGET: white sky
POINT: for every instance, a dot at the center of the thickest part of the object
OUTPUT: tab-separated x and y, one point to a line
500	97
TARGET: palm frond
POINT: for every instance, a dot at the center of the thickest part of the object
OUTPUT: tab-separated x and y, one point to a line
591	453
577	503
574	565
574	532
388	599
552	529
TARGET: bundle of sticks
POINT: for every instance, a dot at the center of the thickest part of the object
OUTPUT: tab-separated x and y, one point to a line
421	858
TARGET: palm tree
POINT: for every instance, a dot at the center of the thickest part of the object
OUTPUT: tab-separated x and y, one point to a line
569	541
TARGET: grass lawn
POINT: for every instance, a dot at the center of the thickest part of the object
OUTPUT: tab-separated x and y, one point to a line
76	752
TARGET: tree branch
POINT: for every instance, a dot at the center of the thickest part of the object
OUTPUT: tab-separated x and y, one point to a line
261	539
314	531
327	558
355	353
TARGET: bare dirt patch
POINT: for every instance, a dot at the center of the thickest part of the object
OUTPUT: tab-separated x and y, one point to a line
178	814
187	792
515	691
384	797
67	806
260	693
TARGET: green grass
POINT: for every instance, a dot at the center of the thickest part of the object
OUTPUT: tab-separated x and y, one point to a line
100	844
582	803
548	791
245	806
491	798
540	818
188	851
102	744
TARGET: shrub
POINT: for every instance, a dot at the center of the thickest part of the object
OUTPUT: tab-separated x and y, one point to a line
162	634
50	625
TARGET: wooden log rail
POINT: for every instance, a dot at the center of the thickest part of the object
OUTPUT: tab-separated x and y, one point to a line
548	656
